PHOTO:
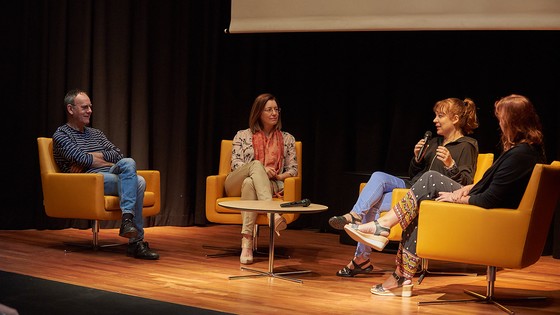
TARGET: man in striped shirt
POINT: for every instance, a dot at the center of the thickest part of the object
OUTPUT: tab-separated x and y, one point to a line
81	149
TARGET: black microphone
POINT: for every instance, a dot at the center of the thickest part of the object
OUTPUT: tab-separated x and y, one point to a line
301	203
427	137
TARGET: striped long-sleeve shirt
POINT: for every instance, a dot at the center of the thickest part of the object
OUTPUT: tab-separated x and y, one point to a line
71	148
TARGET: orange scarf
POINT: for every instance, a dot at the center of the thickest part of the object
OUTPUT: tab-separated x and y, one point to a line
270	151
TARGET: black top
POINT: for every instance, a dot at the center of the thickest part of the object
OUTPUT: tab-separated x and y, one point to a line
504	183
463	150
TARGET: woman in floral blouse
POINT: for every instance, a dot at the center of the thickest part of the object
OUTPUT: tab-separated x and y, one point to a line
262	157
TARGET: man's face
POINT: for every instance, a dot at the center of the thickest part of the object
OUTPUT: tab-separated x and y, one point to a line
81	110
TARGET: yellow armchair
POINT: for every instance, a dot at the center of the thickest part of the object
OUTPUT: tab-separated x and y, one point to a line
215	194
506	238
81	195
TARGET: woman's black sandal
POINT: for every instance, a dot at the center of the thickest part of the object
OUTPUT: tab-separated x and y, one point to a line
404	290
338	222
358	269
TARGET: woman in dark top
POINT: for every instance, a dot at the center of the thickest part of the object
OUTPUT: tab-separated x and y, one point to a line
452	153
502	186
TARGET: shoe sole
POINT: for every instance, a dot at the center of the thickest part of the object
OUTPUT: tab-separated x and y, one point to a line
129	234
144	257
404	291
376	242
337	223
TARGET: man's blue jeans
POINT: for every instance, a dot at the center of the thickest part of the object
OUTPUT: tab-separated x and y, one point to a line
122	181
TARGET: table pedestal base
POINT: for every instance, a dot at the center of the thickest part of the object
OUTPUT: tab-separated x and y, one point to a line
279	275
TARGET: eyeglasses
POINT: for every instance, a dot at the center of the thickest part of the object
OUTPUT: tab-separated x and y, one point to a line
84	107
270	110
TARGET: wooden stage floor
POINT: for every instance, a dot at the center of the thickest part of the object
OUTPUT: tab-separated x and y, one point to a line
184	274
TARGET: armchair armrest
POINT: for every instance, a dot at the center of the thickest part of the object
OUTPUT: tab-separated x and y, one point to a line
214	191
292	188
152	178
65	193
153	185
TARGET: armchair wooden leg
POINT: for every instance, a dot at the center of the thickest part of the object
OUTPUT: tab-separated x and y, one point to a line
489	297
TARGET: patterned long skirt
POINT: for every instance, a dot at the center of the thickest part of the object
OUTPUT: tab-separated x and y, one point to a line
426	188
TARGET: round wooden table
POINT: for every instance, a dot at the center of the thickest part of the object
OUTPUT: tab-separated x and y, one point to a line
272	207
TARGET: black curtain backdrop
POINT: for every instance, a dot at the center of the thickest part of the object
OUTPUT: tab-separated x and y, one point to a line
168	84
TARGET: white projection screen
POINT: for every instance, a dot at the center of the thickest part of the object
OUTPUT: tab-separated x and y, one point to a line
266	16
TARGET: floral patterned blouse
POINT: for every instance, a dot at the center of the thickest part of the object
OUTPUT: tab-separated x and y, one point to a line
243	152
